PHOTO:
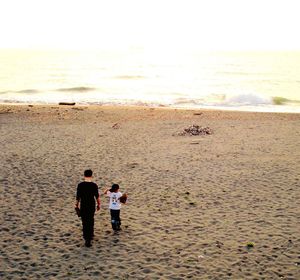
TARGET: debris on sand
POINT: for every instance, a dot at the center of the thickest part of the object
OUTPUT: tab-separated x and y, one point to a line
116	126
250	245
193	130
78	109
6	111
132	165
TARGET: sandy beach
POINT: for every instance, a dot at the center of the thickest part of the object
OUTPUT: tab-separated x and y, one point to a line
194	204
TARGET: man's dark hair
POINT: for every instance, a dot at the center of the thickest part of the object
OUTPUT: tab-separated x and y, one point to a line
88	173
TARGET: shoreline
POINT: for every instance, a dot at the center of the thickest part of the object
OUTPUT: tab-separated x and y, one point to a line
150	106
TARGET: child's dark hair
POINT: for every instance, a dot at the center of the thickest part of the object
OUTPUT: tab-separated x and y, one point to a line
114	188
88	173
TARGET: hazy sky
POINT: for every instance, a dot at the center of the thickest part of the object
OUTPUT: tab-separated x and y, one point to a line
161	24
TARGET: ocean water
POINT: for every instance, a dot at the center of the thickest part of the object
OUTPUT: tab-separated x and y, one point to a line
251	81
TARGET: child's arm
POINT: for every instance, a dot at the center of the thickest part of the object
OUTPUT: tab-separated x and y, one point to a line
106	190
123	198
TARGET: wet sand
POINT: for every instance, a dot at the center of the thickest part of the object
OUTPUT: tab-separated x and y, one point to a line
194	201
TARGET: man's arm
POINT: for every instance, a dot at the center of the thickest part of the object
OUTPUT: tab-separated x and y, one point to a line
77	197
98	203
97	196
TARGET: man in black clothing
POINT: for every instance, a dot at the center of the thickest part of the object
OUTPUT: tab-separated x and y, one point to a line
87	193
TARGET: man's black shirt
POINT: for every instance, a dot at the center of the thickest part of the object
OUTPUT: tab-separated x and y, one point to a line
87	192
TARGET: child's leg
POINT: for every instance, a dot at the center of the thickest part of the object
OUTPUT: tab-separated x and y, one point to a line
113	219
118	219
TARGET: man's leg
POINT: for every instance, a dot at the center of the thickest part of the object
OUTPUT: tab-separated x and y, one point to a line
91	226
88	227
84	219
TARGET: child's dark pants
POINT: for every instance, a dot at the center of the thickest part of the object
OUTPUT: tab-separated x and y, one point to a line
115	219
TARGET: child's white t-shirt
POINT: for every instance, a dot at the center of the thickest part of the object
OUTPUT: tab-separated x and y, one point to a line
114	200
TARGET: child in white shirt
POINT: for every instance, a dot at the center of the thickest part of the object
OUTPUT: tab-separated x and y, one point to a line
114	205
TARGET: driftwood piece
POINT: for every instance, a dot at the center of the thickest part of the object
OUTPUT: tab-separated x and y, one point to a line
67	103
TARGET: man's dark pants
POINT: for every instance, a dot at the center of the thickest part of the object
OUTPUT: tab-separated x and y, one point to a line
87	218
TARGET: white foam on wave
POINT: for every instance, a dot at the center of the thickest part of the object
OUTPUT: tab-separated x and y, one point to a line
249	99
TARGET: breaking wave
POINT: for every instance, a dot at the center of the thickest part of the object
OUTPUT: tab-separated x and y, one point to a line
130	77
25	91
76	89
248	99
226	100
28	91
